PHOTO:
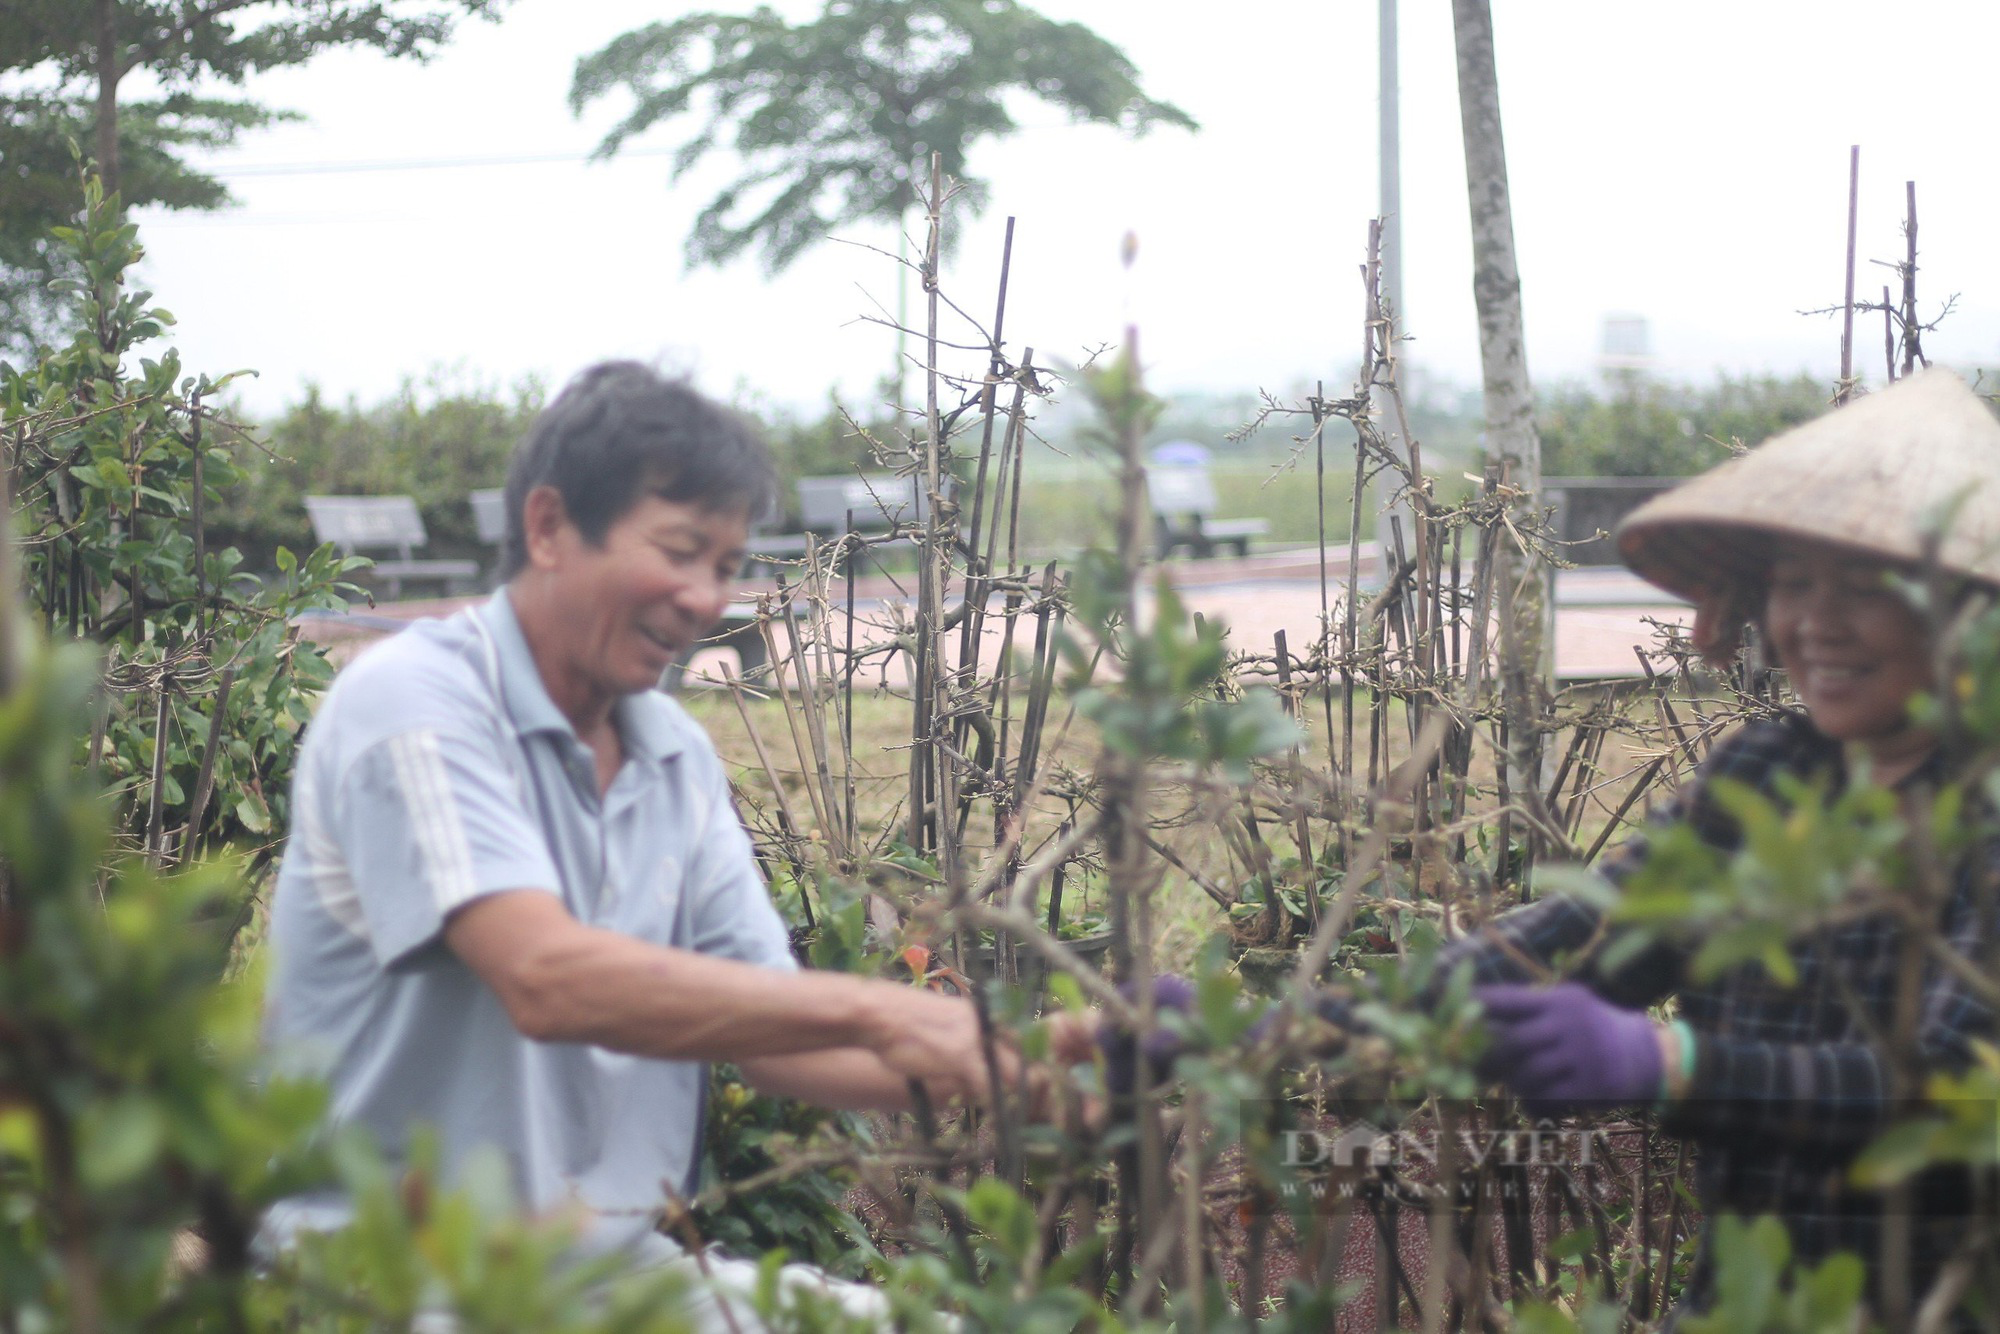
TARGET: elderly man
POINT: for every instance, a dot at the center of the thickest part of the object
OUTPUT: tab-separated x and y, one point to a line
518	906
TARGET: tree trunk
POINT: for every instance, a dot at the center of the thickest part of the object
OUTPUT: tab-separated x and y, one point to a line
108	75
1496	280
1389	163
1513	450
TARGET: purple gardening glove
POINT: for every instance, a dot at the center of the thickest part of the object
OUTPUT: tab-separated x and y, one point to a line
1555	1047
1121	1051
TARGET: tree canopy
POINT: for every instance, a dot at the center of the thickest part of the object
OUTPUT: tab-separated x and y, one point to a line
1655	428
835	120
63	65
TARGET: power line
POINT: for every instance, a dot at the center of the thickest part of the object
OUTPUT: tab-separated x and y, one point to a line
192	220
249	169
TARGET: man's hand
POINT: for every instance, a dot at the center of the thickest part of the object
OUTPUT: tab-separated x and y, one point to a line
1073	1036
935	1041
1556	1047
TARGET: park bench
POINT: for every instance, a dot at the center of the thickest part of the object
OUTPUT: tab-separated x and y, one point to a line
358	525
489	515
770	550
1183	498
862	503
829	507
1582	507
489	524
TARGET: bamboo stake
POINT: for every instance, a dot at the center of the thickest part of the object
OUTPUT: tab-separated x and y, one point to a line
1912	330
787	822
1645	780
1846	386
996	359
1009	444
978	577
1888	335
202	619
928	762
204	781
1349	650
1048	619
12	602
807	720
1317	405
848	562
1301	825
816	643
801	745
157	799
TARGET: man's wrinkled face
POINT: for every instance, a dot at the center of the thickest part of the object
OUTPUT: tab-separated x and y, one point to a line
658	582
1854	649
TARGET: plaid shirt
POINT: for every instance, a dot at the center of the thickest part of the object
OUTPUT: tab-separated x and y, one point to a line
1787	1087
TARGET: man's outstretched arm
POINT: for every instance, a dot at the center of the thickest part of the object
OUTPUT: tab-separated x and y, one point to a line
563	981
846	1079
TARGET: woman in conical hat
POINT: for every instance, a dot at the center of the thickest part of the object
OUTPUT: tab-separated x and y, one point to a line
1877	480
1780	1087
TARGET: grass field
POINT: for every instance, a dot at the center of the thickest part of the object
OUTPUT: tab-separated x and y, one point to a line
1190	818
1066	505
1069	504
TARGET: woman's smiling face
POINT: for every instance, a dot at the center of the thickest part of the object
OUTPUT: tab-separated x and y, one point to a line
1853	647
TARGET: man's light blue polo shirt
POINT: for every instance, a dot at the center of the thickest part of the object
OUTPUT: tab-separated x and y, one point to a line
438	770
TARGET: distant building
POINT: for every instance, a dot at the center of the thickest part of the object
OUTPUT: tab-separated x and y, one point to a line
1626	346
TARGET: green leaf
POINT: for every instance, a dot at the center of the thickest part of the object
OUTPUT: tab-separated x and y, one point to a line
20	1135
1582	883
1067	992
995	1209
1603	1318
1573	1244
1542	1318
1899	1153
253	814
120	1139
1624	947
1763	941
1826	1299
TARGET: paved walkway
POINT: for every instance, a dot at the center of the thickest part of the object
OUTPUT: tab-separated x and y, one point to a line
1601	613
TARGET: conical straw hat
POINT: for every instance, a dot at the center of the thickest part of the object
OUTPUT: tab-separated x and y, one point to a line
1877	475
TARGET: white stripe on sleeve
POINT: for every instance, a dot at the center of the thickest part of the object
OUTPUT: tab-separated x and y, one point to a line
440	835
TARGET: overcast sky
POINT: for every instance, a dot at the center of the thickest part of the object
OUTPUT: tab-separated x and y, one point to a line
1686	163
